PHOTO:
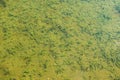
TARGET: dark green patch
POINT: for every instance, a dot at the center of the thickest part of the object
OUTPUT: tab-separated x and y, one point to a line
117	8
86	0
5	71
2	3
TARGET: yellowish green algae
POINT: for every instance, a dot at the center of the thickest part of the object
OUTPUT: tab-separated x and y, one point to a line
59	39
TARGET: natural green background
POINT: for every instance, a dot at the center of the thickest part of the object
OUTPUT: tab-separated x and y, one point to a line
59	39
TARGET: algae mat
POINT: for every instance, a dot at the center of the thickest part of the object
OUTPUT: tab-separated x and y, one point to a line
59	39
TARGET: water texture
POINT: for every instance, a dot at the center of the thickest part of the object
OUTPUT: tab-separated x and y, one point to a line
59	39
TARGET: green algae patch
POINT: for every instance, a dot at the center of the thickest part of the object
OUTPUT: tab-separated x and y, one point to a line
59	40
2	3
117	8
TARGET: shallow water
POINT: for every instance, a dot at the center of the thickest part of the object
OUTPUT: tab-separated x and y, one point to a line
59	39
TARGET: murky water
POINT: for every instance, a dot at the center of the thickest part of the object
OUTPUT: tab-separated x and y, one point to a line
59	39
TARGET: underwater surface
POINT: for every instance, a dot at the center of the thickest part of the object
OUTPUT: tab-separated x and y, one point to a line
59	39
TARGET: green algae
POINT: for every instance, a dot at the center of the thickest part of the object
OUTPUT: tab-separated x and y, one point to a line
2	3
59	40
117	8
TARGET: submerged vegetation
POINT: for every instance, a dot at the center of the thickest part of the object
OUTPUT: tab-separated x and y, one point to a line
2	3
59	40
117	8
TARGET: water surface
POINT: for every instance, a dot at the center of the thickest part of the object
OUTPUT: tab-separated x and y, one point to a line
59	39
